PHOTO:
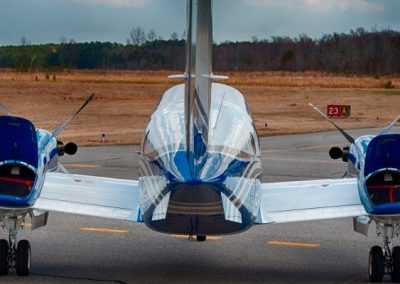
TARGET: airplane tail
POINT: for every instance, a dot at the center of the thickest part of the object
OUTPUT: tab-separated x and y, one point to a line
198	79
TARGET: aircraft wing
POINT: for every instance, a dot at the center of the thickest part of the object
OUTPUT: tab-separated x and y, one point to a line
91	196
309	200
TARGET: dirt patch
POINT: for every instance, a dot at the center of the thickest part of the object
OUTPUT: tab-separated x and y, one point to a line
125	100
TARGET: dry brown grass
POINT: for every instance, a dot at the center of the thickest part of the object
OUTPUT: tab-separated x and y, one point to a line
265	79
125	100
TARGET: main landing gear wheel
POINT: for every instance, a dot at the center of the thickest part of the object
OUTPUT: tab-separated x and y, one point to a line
4	249
23	258
396	265
201	238
376	267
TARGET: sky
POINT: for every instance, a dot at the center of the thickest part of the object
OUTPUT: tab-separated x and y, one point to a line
43	21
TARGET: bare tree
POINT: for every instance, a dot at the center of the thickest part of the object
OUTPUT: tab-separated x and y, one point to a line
63	40
137	36
151	35
24	41
174	36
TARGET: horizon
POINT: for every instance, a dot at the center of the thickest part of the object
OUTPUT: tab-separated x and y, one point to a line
27	42
49	21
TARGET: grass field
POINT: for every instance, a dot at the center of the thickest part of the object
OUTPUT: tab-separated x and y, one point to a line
125	100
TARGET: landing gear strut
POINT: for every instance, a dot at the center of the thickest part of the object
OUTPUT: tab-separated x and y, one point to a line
14	255
384	261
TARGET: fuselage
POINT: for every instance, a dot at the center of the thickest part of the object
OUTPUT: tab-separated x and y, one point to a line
375	160
212	189
26	154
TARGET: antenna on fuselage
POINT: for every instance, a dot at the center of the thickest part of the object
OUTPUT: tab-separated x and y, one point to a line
57	131
341	130
5	109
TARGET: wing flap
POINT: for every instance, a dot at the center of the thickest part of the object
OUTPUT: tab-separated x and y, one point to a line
91	196
309	200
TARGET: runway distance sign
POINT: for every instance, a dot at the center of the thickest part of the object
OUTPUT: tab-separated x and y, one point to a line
338	111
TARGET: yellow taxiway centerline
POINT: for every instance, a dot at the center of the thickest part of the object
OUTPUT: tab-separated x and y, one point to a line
104	230
293	244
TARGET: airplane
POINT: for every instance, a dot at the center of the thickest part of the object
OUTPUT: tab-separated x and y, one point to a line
375	161
201	169
27	153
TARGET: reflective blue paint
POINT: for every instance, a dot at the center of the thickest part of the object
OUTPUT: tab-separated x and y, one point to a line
221	176
18	140
35	148
181	163
369	155
383	152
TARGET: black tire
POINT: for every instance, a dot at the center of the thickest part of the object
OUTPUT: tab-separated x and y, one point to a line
4	248
396	265
376	267
23	258
201	238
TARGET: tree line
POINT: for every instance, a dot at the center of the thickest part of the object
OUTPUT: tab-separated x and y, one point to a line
356	52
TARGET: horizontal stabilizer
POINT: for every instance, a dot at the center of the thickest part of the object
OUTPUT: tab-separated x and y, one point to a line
212	77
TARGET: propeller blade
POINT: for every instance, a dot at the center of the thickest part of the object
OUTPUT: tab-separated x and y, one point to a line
389	126
341	130
57	131
5	109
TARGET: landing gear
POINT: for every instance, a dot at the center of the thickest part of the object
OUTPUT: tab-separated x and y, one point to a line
385	261
23	258
4	249
13	255
376	267
396	265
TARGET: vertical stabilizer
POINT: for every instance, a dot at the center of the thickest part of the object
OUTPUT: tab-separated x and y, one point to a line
198	78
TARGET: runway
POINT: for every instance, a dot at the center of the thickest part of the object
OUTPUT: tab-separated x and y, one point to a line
75	249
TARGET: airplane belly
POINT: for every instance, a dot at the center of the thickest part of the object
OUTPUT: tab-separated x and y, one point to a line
224	199
197	209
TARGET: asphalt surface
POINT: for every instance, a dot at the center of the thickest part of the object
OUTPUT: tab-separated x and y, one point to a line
75	249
